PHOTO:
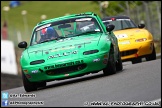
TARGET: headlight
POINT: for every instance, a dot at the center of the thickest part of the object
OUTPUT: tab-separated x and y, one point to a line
37	62
140	40
90	52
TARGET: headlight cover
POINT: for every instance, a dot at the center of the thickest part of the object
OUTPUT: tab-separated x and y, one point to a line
90	52
140	40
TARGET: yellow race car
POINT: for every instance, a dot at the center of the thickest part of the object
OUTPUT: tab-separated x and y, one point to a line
135	42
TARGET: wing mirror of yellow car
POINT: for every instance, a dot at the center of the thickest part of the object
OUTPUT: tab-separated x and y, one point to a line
141	25
110	27
22	44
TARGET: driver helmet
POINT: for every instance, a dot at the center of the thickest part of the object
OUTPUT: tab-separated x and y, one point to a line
47	32
50	32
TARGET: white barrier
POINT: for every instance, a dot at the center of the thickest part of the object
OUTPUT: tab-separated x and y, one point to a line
8	58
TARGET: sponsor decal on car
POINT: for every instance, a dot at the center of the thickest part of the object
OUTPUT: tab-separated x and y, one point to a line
83	19
121	36
43	27
124	42
64	64
63	48
62	54
34	71
47	51
62	40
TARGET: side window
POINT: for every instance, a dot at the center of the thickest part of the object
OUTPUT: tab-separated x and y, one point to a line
38	36
35	38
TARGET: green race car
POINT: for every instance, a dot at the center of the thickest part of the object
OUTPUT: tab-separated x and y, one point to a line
67	47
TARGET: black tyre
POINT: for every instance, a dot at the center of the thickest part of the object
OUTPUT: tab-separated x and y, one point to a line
41	84
136	60
28	86
151	56
111	65
119	65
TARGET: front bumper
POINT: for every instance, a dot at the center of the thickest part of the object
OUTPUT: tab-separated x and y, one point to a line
139	49
66	69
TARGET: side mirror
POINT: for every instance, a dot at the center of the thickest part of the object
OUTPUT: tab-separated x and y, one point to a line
110	27
22	44
141	25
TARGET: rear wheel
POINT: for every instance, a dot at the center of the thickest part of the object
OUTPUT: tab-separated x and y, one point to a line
151	56
28	86
111	65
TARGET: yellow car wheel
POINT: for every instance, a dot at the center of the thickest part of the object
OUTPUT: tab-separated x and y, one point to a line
151	56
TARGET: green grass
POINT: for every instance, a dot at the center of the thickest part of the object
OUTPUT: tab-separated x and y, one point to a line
35	9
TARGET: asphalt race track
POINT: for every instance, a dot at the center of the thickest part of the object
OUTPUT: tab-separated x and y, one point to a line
138	84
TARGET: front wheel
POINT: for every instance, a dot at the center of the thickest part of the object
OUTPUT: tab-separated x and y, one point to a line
41	84
28	86
151	56
111	65
119	65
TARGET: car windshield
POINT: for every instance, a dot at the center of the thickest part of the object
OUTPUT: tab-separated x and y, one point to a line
121	24
64	29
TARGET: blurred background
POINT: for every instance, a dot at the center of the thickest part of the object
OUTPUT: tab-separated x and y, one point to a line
18	19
